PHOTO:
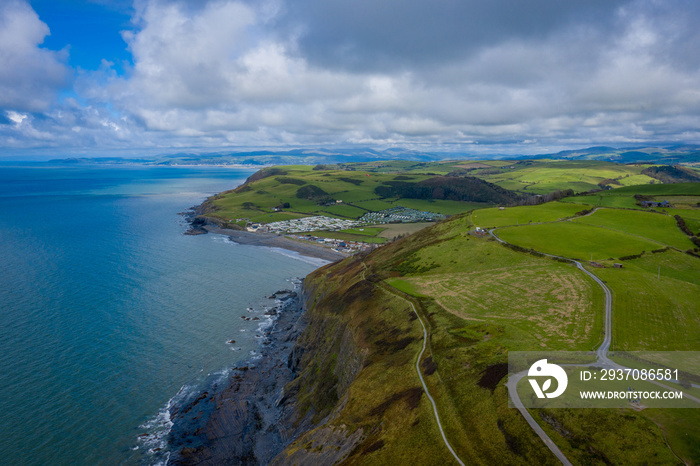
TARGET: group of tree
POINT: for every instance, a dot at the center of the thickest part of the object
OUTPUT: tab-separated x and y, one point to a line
549	197
468	189
672	174
312	192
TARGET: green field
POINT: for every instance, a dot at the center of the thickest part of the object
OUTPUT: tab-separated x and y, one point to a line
577	241
506	299
624	197
681	202
479	300
355	183
549	212
555	310
256	202
545	176
366	231
650	225
691	217
656	302
623	201
676	189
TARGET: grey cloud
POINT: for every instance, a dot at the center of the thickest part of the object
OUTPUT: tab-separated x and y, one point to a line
533	75
384	35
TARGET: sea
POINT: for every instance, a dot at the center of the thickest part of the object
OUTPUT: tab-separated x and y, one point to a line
109	313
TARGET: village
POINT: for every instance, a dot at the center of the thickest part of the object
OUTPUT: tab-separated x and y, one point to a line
320	222
338	245
400	215
300	228
296	225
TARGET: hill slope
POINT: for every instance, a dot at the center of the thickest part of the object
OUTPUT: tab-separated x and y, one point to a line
479	300
287	192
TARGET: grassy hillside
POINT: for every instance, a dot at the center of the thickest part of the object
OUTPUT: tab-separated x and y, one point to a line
286	192
649	225
481	299
677	194
494	217
541	177
305	191
577	241
656	302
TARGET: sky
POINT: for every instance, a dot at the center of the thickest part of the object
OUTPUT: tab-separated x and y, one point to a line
123	77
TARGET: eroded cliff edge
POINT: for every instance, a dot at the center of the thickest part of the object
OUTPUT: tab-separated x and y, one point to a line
310	358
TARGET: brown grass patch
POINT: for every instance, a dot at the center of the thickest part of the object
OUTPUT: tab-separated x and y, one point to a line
555	299
429	366
411	397
492	375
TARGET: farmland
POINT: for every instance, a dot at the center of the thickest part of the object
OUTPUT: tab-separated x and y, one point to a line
624	197
657	289
280	193
651	225
656	302
544	176
578	241
481	299
549	212
265	199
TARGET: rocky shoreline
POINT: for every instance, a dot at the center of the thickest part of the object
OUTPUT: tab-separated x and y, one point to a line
247	418
242	420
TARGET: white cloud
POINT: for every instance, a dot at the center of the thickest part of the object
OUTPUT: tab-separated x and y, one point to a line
231	72
16	117
29	75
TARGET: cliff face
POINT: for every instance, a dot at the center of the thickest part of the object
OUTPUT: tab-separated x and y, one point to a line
357	398
345	389
295	391
356	392
327	359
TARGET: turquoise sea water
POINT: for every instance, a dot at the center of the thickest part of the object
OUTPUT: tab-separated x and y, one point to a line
107	310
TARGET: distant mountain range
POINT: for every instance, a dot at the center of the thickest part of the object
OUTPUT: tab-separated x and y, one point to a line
666	155
678	154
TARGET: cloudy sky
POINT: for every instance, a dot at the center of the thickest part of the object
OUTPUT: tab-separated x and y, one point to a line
101	77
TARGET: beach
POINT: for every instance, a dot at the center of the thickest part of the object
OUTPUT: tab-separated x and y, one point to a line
272	240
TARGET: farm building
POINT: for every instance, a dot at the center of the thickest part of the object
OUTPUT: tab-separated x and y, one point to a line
655	204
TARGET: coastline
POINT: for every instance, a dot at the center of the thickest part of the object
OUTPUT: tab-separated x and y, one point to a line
244	418
241	420
276	241
200	224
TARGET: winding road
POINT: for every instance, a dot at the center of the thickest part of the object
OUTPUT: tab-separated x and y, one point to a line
602	354
513	380
420	375
425	387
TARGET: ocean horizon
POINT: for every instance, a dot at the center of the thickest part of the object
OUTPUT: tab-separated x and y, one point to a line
109	311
